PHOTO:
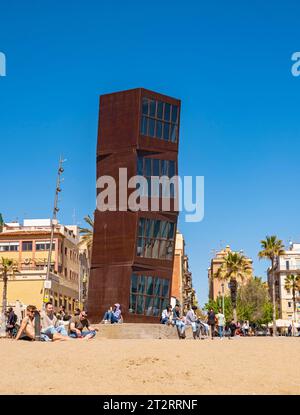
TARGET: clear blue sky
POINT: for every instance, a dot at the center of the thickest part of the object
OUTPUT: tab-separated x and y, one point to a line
229	63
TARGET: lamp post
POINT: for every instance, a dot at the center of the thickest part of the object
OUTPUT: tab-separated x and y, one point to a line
47	284
219	299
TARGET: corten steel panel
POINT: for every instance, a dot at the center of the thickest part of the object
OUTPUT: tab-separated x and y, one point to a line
114	248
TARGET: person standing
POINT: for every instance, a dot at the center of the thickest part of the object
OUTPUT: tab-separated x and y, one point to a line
221	323
211	321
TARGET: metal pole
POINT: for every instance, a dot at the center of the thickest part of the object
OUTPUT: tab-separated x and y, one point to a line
53	224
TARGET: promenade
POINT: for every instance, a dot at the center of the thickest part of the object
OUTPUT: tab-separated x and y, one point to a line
256	365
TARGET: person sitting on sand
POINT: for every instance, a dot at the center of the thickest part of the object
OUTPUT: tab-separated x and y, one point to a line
166	315
50	325
113	315
27	328
78	324
11	322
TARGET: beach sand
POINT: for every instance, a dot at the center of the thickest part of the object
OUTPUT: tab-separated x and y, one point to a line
102	366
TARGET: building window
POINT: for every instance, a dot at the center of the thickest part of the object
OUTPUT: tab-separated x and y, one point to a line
159	120
27	246
148	167
289	304
66	251
149	295
44	246
9	246
287	265
155	239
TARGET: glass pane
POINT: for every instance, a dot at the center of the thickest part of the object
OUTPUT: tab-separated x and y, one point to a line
171	168
149	306
148	248
149	227
158	132
141	284
148	167
171	230
140	166
152	108
155	170
139	248
155	248
164	167
134	281
132	304
157	287
166	131
149	289
169	250
151	127
157	229
163	249
167	112
156	306
173	133
164	229
159	110
174	113
165	287
140	304
144	125
142	227
149	186
145	106
165	303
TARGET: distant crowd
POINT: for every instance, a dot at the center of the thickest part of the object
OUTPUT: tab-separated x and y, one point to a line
214	325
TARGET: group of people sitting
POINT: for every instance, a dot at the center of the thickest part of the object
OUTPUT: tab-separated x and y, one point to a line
174	317
54	326
113	315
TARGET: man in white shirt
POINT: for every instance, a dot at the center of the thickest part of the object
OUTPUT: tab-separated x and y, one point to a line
221	323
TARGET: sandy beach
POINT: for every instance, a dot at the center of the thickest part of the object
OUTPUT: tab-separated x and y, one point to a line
102	366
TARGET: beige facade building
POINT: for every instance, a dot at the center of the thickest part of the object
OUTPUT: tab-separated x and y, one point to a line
288	264
182	288
217	288
28	245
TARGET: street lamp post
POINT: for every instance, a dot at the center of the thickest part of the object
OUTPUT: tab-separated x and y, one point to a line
53	224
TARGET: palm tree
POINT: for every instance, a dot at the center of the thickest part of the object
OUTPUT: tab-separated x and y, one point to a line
7	266
87	242
292	283
235	267
272	249
87	233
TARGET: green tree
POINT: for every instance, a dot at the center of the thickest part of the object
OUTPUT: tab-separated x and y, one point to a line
217	303
253	302
235	267
292	283
272	249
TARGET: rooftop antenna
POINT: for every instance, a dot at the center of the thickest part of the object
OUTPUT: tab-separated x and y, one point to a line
74	216
53	223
